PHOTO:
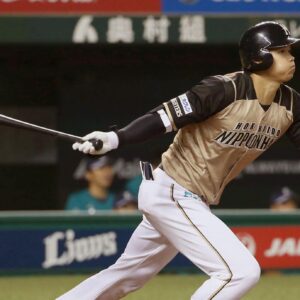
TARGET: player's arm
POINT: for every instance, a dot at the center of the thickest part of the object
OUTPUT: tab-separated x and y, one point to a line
154	123
202	101
293	132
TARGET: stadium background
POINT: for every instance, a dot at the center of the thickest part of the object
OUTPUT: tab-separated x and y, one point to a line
77	67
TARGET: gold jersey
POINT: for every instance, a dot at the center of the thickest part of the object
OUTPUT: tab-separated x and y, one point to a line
222	128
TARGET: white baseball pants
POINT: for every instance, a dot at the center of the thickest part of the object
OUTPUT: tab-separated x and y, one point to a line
175	220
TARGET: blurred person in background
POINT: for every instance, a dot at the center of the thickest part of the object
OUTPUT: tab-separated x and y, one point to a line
284	200
99	174
133	185
127	202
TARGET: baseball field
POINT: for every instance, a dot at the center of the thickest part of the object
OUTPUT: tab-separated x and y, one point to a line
164	287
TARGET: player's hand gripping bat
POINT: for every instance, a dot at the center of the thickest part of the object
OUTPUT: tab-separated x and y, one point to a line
8	121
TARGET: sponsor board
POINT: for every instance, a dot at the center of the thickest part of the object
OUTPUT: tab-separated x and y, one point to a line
58	249
131	29
231	6
65	250
275	247
78	6
149	6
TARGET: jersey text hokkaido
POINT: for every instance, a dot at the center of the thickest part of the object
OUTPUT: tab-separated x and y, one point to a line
223	128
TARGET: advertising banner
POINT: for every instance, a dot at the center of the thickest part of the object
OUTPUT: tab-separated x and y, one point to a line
44	250
60	250
78	6
52	249
275	247
131	29
262	7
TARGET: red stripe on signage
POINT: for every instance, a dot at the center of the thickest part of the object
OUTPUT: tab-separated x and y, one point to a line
72	6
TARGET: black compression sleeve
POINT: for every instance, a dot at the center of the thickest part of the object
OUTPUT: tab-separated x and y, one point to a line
141	129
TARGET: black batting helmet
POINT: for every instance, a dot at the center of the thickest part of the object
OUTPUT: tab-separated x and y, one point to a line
256	42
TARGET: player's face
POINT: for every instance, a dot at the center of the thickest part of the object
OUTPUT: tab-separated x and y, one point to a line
102	177
283	67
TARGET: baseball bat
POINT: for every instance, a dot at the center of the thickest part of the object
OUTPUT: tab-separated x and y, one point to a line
98	144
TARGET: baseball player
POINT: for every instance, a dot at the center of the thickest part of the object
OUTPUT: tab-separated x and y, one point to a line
223	124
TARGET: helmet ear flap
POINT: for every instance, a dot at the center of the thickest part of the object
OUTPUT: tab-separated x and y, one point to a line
262	61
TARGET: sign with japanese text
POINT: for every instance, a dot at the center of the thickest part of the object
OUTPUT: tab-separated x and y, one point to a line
231	6
162	29
103	30
184	29
122	29
78	6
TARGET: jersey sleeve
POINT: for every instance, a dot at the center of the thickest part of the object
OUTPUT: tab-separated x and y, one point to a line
293	132
208	97
199	103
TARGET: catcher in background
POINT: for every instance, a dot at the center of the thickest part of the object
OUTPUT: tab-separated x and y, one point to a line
223	124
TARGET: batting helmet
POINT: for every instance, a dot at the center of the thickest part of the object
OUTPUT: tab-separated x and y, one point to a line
256	42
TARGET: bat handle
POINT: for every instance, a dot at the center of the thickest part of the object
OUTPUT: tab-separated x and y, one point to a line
98	144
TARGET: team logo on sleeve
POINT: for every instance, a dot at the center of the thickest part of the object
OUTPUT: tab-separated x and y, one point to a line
185	103
176	107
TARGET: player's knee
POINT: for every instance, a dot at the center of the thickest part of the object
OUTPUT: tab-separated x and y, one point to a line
255	273
249	274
